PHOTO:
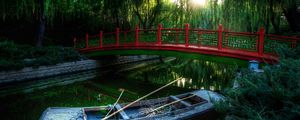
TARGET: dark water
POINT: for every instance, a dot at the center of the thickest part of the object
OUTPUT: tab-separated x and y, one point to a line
105	88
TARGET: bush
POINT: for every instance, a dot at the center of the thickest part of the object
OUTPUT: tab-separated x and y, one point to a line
274	94
14	56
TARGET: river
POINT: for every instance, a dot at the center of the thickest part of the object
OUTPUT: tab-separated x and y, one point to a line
137	79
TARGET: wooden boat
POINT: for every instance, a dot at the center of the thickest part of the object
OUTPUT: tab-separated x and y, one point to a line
183	106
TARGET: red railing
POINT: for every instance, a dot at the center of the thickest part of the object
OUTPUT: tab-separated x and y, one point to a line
244	45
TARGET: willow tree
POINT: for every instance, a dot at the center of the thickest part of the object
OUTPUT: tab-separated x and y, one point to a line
147	11
258	13
291	11
42	13
117	11
41	19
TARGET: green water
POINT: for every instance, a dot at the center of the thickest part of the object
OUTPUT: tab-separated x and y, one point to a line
104	89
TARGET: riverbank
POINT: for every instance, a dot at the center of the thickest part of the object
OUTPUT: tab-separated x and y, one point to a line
16	56
31	73
70	73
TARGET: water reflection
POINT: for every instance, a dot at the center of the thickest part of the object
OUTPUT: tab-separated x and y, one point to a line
196	74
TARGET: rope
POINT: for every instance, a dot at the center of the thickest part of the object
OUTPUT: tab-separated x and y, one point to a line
105	118
115	103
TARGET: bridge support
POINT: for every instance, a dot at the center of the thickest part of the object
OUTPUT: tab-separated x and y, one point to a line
220	33
100	39
159	34
261	41
136	35
254	66
187	35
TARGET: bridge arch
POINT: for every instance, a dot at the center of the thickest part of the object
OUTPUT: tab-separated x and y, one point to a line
167	53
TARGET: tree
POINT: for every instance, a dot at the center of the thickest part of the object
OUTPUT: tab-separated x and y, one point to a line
147	11
292	14
41	26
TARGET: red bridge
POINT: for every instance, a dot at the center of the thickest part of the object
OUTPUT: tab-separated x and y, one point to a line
243	45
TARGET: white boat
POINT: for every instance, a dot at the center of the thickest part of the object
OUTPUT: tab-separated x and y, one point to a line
184	106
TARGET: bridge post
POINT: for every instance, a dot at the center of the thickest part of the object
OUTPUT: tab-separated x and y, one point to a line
187	35
261	41
176	36
159	34
220	33
86	40
117	36
136	35
100	40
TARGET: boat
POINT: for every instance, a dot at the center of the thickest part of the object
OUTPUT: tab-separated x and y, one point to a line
184	106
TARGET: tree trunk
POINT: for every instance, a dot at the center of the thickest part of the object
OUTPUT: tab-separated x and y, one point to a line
293	17
41	26
273	18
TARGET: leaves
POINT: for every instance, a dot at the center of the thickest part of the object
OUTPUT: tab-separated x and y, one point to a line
14	56
273	94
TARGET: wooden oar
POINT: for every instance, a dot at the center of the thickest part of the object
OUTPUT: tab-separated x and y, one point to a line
105	118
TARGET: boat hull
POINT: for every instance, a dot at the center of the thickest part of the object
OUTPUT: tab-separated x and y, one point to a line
184	106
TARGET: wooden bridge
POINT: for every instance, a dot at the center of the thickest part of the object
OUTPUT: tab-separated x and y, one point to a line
243	45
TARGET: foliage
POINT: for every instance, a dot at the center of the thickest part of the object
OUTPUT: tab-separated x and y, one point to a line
273	94
75	17
14	56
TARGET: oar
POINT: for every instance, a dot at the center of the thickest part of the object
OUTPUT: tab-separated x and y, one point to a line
105	118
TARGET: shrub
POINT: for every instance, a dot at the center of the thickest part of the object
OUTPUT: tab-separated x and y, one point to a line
274	94
14	56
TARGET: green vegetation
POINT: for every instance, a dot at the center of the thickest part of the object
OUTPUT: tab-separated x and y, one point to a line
63	20
14	56
272	95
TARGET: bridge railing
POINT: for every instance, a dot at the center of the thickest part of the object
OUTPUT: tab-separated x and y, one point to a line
172	36
147	37
241	41
127	38
274	41
203	38
220	39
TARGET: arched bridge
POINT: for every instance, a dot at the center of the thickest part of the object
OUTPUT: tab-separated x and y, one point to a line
243	45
